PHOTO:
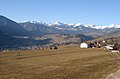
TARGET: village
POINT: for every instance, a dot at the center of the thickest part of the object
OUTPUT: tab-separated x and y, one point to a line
110	44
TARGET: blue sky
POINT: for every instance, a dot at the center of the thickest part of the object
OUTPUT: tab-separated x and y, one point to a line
99	12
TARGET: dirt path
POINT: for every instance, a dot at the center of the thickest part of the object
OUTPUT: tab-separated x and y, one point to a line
115	75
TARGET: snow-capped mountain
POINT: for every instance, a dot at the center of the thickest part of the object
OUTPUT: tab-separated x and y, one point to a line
74	25
38	27
84	28
74	28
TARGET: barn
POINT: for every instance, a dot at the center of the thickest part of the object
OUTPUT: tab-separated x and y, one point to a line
83	45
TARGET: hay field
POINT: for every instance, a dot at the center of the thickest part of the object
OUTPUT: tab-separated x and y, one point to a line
67	62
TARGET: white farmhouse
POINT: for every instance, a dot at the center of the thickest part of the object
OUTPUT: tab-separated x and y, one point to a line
83	45
109	47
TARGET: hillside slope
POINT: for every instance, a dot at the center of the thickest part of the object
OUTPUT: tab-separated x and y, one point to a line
11	28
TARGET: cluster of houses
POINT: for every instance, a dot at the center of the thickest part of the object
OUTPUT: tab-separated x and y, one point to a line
112	46
93	44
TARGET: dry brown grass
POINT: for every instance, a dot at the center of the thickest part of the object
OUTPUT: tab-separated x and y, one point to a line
67	62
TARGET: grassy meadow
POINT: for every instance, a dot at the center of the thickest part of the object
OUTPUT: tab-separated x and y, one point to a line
66	62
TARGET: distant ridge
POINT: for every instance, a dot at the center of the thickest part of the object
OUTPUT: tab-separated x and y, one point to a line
62	28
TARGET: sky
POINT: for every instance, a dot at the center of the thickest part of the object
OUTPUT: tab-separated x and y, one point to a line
98	12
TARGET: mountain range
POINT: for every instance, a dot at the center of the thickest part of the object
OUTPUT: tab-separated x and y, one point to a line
38	28
13	28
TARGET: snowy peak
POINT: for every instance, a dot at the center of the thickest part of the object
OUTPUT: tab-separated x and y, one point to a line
75	24
114	26
58	23
104	27
35	22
